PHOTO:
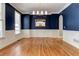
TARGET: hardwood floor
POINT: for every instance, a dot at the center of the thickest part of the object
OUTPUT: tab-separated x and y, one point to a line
40	47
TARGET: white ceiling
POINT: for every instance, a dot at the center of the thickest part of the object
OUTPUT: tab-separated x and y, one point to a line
27	8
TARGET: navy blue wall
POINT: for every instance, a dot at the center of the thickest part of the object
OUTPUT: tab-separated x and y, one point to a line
54	21
71	17
9	17
28	21
25	22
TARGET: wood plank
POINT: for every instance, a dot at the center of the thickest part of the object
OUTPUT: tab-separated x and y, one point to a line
40	47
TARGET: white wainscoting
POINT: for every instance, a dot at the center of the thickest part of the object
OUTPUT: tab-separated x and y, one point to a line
44	33
10	37
40	33
71	37
26	33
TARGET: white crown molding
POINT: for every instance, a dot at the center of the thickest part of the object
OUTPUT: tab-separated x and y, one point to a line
68	4
64	7
16	8
53	13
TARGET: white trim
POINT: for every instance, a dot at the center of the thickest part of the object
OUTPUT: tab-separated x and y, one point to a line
71	37
16	8
36	14
61	26
10	37
64	7
41	33
68	4
48	13
53	13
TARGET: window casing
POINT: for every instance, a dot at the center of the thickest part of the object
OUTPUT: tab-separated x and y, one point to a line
17	22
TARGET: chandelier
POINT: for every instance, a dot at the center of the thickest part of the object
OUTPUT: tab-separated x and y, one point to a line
39	12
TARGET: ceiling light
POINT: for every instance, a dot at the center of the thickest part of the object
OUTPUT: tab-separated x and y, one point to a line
33	12
42	13
37	13
45	12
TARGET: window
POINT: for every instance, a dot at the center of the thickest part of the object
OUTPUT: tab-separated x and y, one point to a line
0	11
1	21
17	22
1	31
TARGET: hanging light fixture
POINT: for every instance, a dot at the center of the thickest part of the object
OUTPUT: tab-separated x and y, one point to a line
42	13
33	12
45	12
37	12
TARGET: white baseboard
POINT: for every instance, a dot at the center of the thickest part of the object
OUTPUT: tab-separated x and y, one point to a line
40	33
71	37
10	37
